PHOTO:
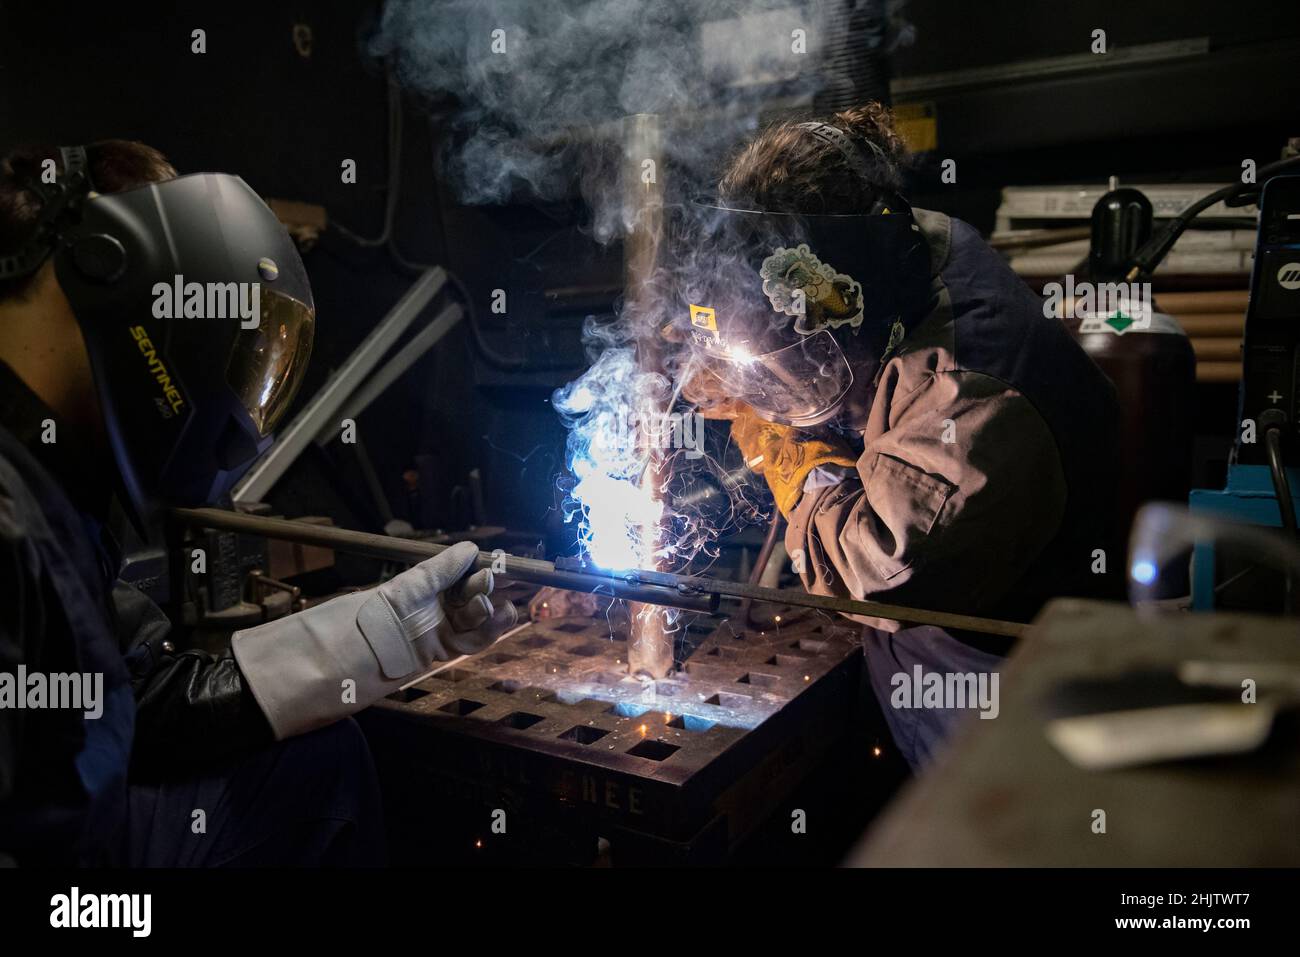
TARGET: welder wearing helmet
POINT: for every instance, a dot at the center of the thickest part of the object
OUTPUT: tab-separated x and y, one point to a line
110	382
933	440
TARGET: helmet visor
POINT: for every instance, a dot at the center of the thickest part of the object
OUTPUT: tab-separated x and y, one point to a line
801	384
267	364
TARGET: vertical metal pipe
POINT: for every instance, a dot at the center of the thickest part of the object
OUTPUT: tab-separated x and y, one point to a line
650	643
762	561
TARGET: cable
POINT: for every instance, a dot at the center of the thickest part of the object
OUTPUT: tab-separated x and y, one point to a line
1285	504
388	240
394	172
1157	247
1281	486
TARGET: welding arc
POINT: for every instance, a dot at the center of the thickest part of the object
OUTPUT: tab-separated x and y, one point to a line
655	588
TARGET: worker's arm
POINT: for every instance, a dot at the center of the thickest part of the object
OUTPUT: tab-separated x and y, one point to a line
303	671
192	708
336	658
15	624
957	491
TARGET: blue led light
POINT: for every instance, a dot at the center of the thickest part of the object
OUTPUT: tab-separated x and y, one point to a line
1143	571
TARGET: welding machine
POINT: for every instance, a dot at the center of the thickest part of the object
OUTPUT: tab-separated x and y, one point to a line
1264	474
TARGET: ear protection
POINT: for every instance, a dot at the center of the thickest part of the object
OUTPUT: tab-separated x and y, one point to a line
98	256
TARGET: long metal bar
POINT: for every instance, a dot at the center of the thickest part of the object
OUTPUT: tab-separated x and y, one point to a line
650	637
659	588
393	369
1019	71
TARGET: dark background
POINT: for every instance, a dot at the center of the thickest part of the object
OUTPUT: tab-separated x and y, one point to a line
252	105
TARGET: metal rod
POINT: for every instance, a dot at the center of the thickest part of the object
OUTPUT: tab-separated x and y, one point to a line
761	562
392	370
650	634
658	588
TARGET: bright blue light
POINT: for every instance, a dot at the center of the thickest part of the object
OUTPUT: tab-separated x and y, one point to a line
1143	571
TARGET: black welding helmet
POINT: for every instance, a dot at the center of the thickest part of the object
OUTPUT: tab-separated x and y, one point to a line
780	307
198	319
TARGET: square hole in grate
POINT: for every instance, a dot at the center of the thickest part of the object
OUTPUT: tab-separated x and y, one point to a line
589	650
584	734
521	720
461	706
536	641
628	709
572	627
507	686
501	658
758	680
725	699
453	674
688	722
726	654
654	750
407	694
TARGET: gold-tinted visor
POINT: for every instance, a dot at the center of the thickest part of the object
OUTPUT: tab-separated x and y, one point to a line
267	364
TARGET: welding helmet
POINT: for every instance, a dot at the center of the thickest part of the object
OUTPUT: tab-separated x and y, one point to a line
198	320
781	309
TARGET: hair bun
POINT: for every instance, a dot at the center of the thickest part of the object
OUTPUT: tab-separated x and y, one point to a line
875	122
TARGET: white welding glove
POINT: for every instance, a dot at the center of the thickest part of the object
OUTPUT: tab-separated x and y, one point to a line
313	668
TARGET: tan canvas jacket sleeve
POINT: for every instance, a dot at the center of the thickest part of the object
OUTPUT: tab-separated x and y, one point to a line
959	487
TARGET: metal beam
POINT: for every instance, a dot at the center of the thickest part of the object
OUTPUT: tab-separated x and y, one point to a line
658	588
325	405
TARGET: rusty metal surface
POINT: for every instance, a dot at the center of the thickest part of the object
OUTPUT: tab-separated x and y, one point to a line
561	686
550	715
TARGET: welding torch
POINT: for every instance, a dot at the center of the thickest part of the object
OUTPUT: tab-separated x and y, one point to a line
690	593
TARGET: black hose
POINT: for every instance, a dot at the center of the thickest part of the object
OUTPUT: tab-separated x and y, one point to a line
1281	486
1157	247
1285	504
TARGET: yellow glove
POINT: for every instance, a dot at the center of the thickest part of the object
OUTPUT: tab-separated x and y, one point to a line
785	455
707	393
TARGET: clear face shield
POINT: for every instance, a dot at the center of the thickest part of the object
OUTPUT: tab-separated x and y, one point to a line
774	300
801	384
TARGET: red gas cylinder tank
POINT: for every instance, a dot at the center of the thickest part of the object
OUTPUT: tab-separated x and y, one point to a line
1151	363
1145	353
